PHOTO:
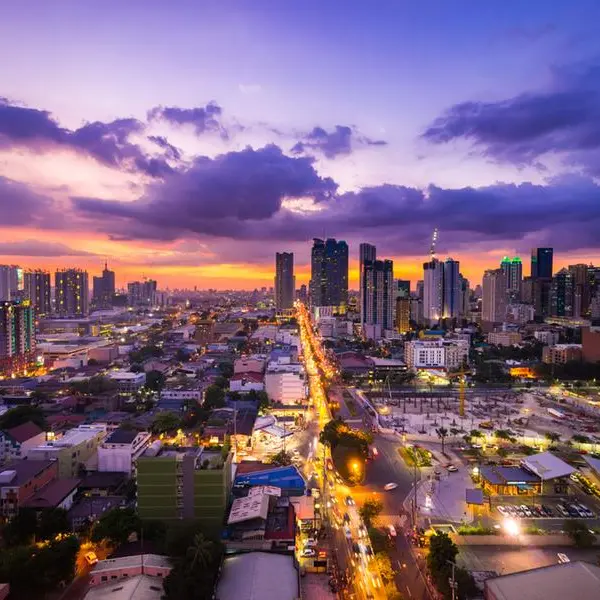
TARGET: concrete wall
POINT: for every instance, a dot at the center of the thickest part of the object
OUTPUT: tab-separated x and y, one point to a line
557	539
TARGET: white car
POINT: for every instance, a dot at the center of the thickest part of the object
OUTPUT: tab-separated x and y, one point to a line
308	552
563	558
502	511
392	530
347	532
388	487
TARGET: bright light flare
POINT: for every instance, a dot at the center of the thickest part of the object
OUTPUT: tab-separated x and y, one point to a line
511	527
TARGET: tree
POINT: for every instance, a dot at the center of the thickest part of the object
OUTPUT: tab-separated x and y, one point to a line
384	565
552	437
155	380
379	540
476	433
21	529
442	433
580	534
165	422
502	434
214	397
116	526
200	552
136	368
221	382
578	438
181	355
52	522
281	459
23	414
370	510
145	353
226	369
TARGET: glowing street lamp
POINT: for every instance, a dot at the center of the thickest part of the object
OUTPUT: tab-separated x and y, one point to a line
511	527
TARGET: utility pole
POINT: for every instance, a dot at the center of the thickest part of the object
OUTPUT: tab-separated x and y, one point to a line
452	580
414	515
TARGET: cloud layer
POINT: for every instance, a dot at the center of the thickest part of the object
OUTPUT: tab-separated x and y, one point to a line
341	141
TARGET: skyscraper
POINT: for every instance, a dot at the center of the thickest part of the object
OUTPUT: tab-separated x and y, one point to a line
465	297
433	291
581	289
402	288
329	273
561	294
493	308
366	253
11	282
71	293
37	289
104	288
141	293
284	280
513	273
377	310
451	307
541	262
17	335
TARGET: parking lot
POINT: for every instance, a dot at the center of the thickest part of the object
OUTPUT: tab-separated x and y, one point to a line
546	509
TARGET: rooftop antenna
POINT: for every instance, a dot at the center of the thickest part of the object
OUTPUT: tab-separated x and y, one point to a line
434	238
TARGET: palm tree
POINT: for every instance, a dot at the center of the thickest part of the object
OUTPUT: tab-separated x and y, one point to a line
442	433
552	436
200	552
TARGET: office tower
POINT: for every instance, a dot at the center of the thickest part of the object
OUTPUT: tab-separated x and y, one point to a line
17	335
513	273
493	309
303	294
11	282
377	309
329	273
104	288
71	293
403	306
37	289
433	290
451	285
402	288
464	307
581	289
284	280
541	263
141	293
366	253
561	294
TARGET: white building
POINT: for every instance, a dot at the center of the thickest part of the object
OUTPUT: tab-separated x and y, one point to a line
433	290
194	394
127	381
548	338
120	449
493	305
245	382
287	387
436	354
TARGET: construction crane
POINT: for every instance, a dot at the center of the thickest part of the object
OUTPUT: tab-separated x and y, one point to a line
434	238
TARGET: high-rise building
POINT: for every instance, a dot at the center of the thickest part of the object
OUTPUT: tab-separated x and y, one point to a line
366	253
141	293
71	293
433	290
377	309
17	335
402	288
37	289
11	282
303	294
403	314
329	273
541	262
465	297
513	273
561	294
493	308
451	307
285	284
581	289
104	288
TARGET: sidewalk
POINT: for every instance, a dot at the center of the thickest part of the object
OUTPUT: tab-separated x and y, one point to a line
315	586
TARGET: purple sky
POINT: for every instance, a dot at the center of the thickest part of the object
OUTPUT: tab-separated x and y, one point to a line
194	139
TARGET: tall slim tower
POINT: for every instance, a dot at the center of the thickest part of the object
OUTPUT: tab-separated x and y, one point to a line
541	263
493	308
37	289
284	280
329	273
433	290
17	335
452	287
104	288
366	253
513	273
71	294
379	296
11	282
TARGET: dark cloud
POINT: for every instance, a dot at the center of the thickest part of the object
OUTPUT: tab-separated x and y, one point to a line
39	248
204	119
109	143
241	196
339	142
20	205
171	151
564	120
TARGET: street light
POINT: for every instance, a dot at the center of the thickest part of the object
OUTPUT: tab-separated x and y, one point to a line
511	527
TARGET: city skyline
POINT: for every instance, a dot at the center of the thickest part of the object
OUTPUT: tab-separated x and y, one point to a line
195	172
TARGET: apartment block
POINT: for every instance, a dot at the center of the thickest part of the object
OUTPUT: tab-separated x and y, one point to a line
119	451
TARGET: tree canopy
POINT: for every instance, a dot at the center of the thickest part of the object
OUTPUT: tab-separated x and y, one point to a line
165	422
116	526
214	397
146	352
22	414
370	510
155	380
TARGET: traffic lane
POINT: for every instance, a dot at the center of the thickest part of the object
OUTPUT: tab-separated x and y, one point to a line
409	579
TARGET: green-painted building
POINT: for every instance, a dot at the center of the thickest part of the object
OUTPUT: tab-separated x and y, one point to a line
185	483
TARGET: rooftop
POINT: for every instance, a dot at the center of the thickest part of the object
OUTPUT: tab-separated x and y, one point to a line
259	575
121	436
140	587
148	560
74	437
577	579
25	431
248	508
51	495
498	475
19	472
547	466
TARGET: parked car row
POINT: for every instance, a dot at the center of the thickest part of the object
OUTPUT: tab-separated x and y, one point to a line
564	509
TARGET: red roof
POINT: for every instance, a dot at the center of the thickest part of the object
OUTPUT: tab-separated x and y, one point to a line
25	431
249	375
51	495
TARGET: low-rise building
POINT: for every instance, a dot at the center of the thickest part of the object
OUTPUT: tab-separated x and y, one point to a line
546	337
59	493
249	364
193	394
504	338
15	442
246	382
117	569
71	450
139	587
590	340
560	354
128	382
21	479
286	386
119	451
436	353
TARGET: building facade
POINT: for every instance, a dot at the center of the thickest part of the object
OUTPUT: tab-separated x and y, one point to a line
71	293
493	308
17	336
329	273
433	291
142	293
119	451
541	263
104	288
513	274
366	253
11	282
452	289
37	289
285	282
436	354
377	298
559	354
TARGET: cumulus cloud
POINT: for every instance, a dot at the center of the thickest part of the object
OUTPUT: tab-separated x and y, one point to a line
563	119
204	119
39	248
341	141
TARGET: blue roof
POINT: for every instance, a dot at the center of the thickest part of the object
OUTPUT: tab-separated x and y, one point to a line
286	478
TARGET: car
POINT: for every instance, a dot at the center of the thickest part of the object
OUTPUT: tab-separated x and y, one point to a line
356	549
90	558
562	510
347	533
375	451
563	558
310	543
502	510
346	518
367	551
526	510
350	501
362	531
451	468
308	552
388	487
392	531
